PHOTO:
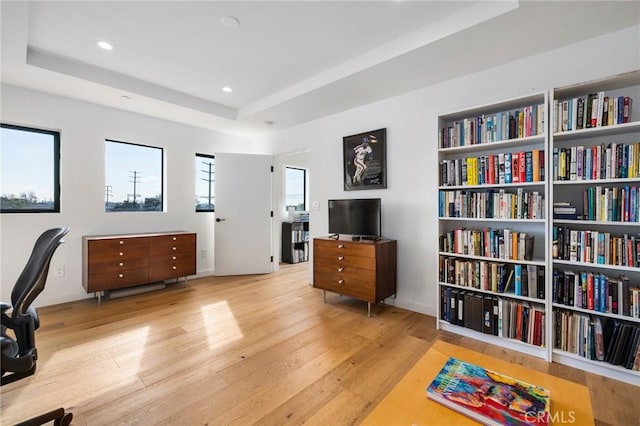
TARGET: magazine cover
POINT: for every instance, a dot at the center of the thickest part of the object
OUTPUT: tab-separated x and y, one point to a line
489	397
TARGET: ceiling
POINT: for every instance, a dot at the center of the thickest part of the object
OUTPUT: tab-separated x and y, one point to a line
287	62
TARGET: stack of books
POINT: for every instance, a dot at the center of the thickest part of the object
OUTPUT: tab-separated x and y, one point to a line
564	210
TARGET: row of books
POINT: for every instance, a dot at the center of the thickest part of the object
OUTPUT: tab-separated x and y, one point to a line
507	278
491	204
298	236
611	161
487	128
597	338
591	246
614	204
596	292
516	167
300	255
592	110
495	243
494	315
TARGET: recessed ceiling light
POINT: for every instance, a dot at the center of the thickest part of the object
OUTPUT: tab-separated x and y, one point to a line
104	45
227	89
230	21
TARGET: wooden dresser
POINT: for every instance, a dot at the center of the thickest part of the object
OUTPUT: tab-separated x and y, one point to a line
362	269
112	262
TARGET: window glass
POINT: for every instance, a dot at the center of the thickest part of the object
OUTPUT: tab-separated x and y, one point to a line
205	183
133	177
29	170
295	188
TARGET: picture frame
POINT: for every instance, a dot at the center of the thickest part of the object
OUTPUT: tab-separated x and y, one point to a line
364	159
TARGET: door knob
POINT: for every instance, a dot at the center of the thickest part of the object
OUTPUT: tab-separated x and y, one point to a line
220	220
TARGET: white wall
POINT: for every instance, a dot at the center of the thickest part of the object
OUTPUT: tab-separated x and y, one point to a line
83	128
410	201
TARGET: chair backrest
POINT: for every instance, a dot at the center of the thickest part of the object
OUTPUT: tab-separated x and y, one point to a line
31	281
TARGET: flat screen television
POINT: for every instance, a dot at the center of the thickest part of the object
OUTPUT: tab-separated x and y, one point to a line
357	217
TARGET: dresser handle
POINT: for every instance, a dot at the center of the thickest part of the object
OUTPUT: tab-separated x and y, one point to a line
121	254
121	242
174	267
173	248
173	257
340	269
340	257
340	245
121	264
340	281
121	275
175	238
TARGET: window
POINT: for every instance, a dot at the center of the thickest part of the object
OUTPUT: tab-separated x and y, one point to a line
205	183
30	170
295	188
133	177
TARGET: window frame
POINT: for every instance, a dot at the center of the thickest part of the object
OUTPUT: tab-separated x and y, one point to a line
161	178
56	169
198	154
304	186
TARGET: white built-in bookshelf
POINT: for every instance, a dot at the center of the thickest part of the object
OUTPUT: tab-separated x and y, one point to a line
595	244
492	219
583	308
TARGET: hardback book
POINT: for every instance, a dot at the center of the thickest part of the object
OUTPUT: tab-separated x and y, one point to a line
489	397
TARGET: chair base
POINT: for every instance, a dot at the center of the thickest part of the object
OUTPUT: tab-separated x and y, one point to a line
58	416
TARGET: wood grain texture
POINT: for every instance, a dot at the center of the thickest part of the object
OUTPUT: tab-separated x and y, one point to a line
245	350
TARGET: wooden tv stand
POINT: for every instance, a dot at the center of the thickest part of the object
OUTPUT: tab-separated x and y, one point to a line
362	269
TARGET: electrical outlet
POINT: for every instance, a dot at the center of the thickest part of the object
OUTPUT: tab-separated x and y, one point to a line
58	271
203	253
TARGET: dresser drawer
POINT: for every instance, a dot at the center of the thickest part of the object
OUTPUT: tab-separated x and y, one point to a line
120	264
325	248
347	284
165	267
118	279
347	261
342	269
108	253
117	243
171	247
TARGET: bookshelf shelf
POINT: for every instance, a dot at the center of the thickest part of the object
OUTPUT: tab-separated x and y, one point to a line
595	222
540	262
596	265
599	182
494	293
479	147
492	186
596	169
513	344
490	219
617	129
496	145
591	312
599	367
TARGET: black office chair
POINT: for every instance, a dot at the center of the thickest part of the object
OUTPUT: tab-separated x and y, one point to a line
19	353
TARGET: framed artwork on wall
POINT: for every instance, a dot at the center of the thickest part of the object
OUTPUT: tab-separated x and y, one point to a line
365	160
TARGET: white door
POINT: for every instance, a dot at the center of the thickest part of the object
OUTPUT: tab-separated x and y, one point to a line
243	215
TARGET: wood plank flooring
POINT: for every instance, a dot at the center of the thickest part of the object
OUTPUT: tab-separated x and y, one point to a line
244	350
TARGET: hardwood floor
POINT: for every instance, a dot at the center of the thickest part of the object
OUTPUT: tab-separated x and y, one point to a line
243	350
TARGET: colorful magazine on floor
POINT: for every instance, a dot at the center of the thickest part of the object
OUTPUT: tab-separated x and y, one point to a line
489	397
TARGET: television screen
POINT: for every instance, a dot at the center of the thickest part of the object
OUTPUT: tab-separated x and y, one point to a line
356	217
